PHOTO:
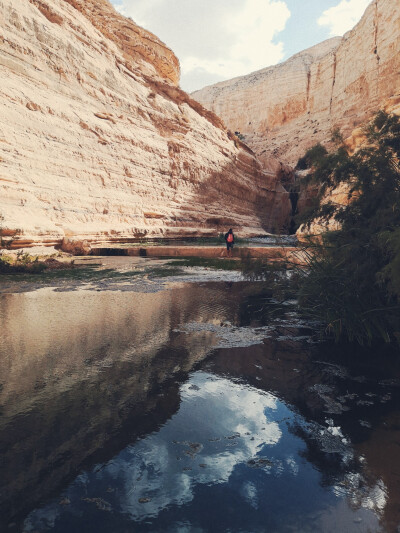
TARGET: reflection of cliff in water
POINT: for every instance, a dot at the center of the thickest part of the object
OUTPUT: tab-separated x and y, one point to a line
85	373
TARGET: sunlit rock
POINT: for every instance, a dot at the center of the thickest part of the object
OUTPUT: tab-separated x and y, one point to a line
98	142
340	83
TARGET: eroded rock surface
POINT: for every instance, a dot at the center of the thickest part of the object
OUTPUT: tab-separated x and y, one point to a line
285	109
98	142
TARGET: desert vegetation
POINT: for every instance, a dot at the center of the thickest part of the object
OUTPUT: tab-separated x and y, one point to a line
353	279
350	283
21	262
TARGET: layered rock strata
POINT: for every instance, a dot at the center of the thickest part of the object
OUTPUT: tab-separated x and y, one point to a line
98	142
340	83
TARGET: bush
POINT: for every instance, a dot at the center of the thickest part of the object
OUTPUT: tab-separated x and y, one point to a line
354	275
23	263
312	157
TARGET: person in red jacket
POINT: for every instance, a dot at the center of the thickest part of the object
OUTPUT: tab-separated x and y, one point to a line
230	241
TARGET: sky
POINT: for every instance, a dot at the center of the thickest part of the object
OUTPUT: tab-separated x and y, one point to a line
217	40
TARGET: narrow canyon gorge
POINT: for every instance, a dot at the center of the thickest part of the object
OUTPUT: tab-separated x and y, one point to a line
98	141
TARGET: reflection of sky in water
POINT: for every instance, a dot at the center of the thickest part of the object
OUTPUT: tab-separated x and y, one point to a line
215	411
226	461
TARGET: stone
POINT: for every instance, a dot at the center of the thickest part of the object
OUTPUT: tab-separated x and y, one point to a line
75	247
259	462
289	254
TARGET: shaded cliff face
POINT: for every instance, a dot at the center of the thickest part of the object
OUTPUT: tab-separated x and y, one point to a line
283	110
97	141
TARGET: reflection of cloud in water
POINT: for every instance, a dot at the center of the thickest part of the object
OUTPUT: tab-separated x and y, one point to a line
360	494
249	493
212	424
292	465
220	424
226	437
377	498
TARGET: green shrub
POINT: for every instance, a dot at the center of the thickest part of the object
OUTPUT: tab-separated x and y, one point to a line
22	263
312	157
354	276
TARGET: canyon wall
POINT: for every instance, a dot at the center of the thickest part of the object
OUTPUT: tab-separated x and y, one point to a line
97	141
285	109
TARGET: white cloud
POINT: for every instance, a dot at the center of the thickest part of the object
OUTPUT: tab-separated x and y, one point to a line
344	16
213	39
155	465
119	7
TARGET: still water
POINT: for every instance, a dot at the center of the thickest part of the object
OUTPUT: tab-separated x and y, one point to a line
196	407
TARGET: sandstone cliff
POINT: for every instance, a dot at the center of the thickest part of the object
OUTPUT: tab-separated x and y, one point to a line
285	109
97	140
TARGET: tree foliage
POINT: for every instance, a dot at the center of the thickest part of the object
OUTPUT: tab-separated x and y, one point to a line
354	280
313	156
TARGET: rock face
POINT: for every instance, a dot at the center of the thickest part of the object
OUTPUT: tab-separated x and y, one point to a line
97	141
138	46
285	109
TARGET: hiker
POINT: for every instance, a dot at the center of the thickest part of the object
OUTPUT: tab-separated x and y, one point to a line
230	241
